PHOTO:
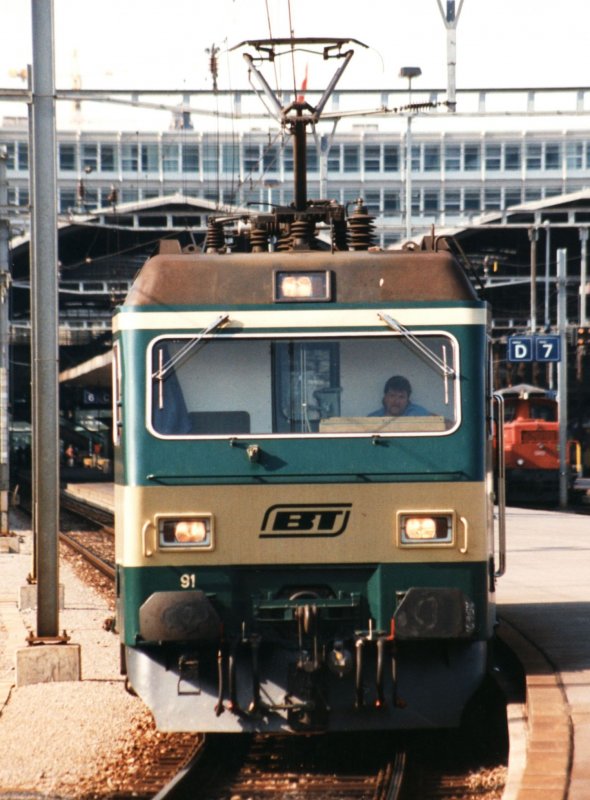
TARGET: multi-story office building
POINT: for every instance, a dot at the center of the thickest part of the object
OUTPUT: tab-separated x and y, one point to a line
455	176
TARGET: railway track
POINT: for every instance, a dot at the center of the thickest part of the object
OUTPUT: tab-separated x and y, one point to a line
277	767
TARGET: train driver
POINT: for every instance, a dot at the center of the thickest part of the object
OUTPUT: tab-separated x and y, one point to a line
396	400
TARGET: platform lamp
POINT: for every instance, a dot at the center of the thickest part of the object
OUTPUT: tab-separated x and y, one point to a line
409	73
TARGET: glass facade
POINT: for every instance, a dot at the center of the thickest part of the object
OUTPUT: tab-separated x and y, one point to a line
455	176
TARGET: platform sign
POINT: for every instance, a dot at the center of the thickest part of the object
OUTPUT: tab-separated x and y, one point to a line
520	348
547	348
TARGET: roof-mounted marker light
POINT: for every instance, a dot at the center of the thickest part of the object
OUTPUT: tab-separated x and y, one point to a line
302	287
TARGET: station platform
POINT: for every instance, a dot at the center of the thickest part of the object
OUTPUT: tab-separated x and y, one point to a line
99	494
544	597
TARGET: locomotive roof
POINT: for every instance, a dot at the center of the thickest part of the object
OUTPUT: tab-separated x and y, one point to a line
238	278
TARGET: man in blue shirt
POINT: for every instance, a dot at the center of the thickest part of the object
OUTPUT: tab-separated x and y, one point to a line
396	400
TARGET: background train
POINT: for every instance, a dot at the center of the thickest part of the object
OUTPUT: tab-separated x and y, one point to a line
531	446
292	552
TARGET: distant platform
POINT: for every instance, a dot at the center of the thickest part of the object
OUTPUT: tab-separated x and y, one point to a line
101	495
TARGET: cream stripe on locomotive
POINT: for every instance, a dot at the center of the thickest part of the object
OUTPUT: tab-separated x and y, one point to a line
302	524
280	318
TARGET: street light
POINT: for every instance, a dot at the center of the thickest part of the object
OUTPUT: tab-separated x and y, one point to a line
409	73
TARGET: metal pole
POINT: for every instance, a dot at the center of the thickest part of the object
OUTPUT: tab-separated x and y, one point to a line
44	321
562	376
547	271
583	275
4	344
534	237
409	174
450	18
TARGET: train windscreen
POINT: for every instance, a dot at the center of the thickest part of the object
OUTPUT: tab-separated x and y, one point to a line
349	384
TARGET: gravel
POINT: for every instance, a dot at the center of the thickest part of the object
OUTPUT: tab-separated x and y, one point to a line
83	740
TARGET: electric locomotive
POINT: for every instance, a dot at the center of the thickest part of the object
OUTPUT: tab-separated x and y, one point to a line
531	445
292	555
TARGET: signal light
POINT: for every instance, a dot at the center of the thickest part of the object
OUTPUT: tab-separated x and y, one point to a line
583	337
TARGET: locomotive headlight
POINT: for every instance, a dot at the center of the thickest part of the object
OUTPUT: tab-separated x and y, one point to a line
302	286
420	528
416	529
188	532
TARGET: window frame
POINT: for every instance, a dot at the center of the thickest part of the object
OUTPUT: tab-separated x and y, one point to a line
305	336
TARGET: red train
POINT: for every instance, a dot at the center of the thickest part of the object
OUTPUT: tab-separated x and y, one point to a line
531	445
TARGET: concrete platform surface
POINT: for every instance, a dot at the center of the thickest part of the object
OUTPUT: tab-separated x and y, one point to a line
545	595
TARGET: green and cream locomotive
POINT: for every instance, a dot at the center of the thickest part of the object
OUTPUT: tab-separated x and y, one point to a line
294	550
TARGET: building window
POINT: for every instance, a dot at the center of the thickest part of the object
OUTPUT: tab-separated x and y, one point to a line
471	157
512	197
149	158
351	157
89	157
129	195
532	194
190	158
391	202
415	201
453	201
533	156
493	157
23	156
472	200
170	158
129	157
230	158
431	200
575	155
390	158
90	198
349	198
334	159
67	157
416	152
10	150
312	159
210	157
270	159
552	155
492	199
372	160
453	158
431	158
373	202
108	158
252	159
512	156
67	200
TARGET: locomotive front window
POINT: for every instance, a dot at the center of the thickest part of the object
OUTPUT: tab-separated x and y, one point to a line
284	385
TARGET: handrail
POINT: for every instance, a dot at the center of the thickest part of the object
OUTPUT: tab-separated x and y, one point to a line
501	483
465	546
574	444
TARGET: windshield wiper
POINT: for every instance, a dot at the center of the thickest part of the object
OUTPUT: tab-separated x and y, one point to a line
164	369
445	369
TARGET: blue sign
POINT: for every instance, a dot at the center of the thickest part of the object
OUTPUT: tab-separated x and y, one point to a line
520	348
534	348
547	348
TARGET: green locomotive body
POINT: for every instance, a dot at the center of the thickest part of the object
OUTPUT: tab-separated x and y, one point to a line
291	555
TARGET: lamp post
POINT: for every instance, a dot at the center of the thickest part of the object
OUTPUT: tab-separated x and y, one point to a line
409	73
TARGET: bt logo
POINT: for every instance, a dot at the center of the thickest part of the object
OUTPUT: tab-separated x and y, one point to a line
305	519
